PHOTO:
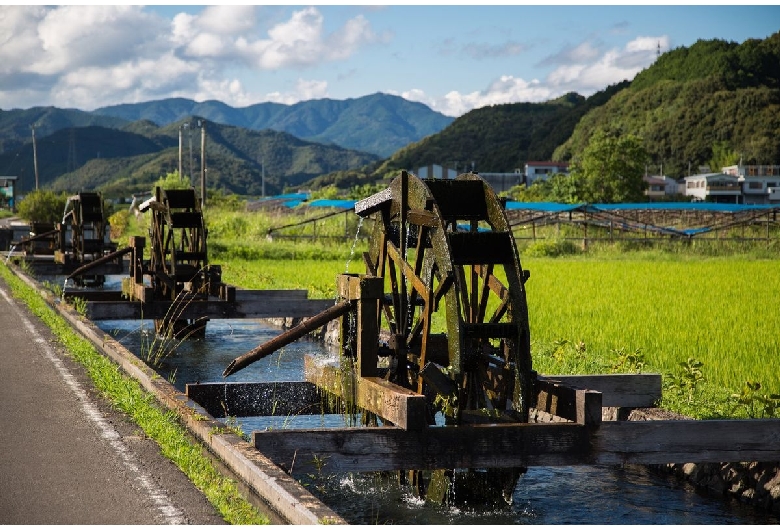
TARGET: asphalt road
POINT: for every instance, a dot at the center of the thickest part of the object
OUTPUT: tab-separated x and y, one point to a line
65	456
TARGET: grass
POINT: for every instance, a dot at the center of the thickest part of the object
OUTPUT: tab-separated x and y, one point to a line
126	395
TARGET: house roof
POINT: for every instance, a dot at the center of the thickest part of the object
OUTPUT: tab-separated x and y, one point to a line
556	164
709	176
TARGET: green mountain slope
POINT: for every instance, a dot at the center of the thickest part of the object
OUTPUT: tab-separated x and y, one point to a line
378	123
16	125
714	93
501	138
122	162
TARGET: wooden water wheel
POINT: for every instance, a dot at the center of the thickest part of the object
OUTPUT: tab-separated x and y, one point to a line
86	220
178	264
454	319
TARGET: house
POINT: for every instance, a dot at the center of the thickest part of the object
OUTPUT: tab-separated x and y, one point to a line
434	171
660	187
760	184
498	181
543	170
713	187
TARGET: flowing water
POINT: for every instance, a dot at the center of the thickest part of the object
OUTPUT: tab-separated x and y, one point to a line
554	495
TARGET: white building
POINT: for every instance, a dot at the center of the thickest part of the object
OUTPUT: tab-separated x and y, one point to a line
498	181
713	187
760	184
543	170
434	171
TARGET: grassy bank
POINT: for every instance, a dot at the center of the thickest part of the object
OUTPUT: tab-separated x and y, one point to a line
127	396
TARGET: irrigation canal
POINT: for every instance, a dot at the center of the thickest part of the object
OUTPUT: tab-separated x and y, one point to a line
554	495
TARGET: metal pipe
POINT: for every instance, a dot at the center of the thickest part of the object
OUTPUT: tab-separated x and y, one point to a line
288	336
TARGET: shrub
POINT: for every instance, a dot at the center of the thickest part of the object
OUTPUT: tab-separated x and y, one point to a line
43	206
551	248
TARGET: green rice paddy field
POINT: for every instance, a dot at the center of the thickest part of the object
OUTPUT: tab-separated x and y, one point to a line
721	312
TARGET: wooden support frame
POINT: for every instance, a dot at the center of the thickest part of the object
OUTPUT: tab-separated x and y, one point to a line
213	309
617	390
366	291
521	445
577	405
395	404
498	445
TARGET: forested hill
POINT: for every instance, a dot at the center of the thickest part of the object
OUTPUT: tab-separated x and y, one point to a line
121	162
501	138
378	123
712	103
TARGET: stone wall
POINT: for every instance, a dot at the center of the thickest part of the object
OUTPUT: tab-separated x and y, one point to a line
753	483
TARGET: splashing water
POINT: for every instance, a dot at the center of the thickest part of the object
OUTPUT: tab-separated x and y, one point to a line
8	257
64	286
354	242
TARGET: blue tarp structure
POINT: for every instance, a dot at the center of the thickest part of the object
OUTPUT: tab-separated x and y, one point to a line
550	207
332	203
611	211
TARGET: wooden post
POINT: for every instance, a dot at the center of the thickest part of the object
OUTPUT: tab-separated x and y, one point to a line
138	243
366	291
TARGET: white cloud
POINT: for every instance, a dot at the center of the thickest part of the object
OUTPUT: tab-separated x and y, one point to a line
581	70
506	89
614	66
300	42
90	56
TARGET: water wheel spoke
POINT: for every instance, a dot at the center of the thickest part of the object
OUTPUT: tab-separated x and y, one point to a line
485	289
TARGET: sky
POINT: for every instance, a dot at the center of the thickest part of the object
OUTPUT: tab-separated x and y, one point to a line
453	58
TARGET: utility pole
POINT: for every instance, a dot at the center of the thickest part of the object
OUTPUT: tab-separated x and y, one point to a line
181	177
189	128
262	163
202	125
35	157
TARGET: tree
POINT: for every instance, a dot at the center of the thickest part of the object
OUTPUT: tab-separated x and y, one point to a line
43	206
610	169
722	156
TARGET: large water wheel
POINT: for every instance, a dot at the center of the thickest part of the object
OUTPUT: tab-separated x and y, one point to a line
85	220
454	318
178	264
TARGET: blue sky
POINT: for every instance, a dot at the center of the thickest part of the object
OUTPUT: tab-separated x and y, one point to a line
453	58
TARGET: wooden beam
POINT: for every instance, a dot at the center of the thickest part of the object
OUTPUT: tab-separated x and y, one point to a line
683	441
395	404
389	448
617	390
577	405
214	309
283	398
521	445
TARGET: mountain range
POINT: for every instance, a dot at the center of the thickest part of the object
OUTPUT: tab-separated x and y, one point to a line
712	102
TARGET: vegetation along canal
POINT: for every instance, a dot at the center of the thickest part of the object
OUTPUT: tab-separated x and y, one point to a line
553	495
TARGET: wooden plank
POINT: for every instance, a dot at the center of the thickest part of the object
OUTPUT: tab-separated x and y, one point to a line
389	448
400	406
683	441
577	405
284	398
617	390
248	295
214	309
94	296
522	445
